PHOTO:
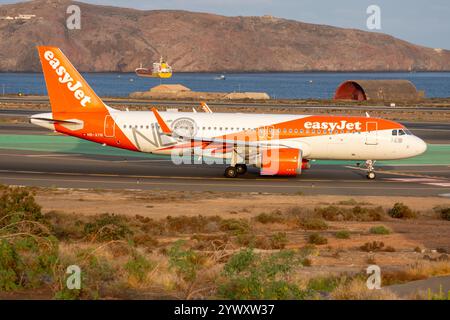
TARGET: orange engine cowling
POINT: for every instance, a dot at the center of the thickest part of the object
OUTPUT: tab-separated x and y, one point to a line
282	162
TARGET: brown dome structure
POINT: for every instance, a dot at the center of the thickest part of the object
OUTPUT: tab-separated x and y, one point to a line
392	90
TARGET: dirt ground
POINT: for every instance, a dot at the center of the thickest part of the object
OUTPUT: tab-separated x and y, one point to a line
159	204
427	232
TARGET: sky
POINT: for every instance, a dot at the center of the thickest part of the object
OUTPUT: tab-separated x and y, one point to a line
423	22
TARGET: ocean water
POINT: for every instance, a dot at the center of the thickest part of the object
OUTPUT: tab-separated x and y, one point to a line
278	85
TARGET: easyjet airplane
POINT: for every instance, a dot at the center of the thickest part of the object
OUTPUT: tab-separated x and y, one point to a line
278	144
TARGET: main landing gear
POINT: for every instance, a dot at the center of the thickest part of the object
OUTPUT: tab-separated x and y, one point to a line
233	172
370	169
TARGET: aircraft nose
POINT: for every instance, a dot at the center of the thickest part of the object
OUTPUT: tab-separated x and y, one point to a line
420	146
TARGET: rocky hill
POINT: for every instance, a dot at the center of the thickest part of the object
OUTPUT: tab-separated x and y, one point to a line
119	39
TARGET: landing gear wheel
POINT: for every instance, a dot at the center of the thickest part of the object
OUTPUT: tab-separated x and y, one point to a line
370	169
371	175
241	168
231	172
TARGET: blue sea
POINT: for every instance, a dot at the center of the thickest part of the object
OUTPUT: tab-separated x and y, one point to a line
277	85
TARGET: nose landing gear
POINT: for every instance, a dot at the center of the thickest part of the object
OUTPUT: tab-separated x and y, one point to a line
370	169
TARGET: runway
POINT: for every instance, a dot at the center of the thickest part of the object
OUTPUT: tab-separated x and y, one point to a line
62	170
33	156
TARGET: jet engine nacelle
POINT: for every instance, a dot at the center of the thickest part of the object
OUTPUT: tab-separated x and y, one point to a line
282	162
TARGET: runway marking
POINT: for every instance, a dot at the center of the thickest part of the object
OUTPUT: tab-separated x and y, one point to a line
257	179
440	184
424	181
138	161
47	155
397	173
146	177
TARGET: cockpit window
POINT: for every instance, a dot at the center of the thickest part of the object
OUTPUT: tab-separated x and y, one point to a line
394	132
401	133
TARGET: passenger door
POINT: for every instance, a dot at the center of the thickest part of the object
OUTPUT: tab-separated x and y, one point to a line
371	133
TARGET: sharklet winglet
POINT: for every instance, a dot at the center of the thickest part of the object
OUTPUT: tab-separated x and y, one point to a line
165	128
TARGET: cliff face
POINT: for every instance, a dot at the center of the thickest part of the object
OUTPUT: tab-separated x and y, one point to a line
118	39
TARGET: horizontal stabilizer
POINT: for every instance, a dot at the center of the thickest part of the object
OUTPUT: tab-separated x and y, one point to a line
58	120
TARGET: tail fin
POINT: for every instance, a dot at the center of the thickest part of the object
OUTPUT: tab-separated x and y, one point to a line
67	90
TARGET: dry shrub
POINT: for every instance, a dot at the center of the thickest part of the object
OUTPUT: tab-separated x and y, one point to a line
65	228
444	212
356	289
381	230
357	213
277	241
209	242
146	241
401	211
312	223
273	217
180	225
107	227
316	238
418	271
196	224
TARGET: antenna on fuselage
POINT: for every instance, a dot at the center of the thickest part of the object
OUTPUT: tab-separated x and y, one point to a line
367	115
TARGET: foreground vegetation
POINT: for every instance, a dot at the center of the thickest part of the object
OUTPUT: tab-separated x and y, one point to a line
187	257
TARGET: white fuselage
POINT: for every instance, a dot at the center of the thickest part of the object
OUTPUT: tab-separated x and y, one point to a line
141	129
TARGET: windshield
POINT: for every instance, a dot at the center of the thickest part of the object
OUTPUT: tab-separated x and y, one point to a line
407	131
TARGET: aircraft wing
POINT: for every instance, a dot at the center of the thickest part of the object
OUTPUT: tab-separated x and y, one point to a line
217	142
